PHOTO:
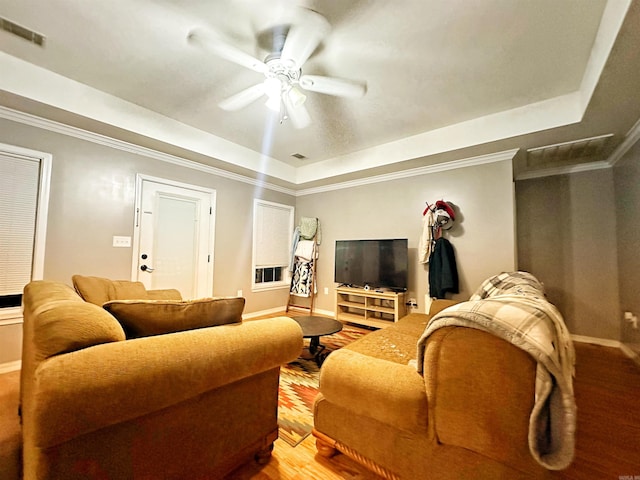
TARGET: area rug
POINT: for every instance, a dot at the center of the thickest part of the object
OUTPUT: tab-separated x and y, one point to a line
299	386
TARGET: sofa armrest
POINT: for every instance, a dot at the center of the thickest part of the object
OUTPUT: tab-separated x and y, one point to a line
89	389
390	392
481	393
440	304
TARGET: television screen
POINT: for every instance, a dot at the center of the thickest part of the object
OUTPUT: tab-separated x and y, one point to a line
373	263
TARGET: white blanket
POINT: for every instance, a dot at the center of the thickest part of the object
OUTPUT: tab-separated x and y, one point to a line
304	250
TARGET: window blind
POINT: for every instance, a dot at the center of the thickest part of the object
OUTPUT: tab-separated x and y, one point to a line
272	234
19	183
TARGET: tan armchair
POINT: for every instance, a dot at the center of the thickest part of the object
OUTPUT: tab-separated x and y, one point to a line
189	404
481	389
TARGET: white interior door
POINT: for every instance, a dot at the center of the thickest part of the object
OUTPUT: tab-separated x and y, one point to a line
173	245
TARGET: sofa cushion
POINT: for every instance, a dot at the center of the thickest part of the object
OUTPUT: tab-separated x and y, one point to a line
163	294
388	391
98	290
63	322
141	318
127	290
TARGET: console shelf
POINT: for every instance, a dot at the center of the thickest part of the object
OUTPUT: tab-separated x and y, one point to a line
370	308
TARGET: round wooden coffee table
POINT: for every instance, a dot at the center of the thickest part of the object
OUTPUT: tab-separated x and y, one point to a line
314	327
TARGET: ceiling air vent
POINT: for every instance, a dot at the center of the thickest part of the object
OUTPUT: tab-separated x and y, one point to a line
578	151
299	156
22	32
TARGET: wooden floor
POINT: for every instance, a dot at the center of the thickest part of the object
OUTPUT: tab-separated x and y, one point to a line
607	388
302	463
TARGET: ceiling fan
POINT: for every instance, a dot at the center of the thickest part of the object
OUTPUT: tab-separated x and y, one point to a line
282	68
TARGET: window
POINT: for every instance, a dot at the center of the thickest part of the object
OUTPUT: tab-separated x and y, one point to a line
24	194
272	233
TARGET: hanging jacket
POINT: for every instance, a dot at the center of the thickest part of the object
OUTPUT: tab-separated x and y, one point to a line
443	272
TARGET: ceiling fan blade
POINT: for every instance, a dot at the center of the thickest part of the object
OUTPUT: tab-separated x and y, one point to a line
299	115
333	86
304	37
224	50
242	98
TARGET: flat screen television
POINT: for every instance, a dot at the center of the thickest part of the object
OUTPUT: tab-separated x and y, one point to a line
374	263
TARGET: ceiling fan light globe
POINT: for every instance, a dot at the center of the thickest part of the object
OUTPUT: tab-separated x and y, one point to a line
274	103
272	88
296	97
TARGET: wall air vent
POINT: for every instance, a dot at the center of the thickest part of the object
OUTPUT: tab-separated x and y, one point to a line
299	156
22	32
579	151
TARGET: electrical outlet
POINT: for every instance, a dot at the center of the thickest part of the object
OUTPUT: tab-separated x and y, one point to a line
631	319
239	293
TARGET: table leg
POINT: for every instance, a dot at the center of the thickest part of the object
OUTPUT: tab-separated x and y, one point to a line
314	343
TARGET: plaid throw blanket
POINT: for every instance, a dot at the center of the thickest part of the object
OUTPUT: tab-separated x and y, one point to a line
512	306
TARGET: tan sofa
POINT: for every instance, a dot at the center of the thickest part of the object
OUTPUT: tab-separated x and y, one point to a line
190	404
466	417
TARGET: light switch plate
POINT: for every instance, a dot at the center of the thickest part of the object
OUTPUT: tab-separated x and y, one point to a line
121	241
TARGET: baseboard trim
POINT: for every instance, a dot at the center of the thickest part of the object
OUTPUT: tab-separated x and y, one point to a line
261	313
326	313
605	342
10	366
271	311
630	353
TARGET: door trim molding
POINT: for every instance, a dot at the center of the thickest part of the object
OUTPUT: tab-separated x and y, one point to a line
140	178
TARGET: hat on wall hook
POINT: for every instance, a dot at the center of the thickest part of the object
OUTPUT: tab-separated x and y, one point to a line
443	214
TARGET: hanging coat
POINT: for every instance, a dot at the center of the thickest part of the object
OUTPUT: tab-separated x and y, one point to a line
443	273
425	247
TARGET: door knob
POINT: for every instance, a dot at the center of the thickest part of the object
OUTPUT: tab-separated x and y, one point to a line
144	268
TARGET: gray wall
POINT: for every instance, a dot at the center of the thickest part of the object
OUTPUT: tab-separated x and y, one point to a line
567	237
92	199
566	227
483	236
10	343
627	208
93	192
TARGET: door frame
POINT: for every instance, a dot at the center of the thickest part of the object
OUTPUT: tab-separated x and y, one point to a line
140	179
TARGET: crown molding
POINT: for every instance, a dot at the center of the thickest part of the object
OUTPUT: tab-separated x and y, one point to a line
412	172
57	127
550	172
629	141
50	125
